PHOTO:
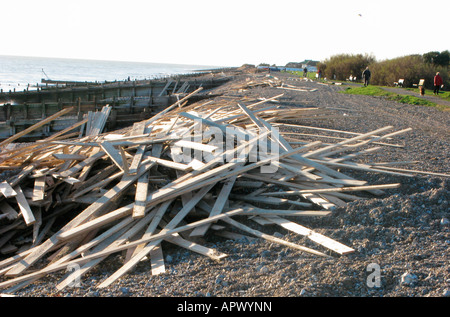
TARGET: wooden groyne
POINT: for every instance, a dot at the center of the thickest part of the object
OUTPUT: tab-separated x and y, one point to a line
131	101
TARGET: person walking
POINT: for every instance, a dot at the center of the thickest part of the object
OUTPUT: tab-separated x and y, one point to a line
438	82
305	72
366	76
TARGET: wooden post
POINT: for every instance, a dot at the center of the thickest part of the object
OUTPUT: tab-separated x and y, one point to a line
79	107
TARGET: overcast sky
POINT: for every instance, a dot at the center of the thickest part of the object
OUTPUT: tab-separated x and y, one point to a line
222	33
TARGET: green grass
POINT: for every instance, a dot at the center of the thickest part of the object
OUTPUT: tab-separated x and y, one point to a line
310	75
445	95
367	91
378	91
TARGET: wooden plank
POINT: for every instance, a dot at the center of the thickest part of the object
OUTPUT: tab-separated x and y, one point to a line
138	128
95	223
39	189
9	211
363	168
310	234
35	126
331	190
232	235
157	261
37	224
272	238
254	211
113	154
66	157
156	221
163	112
7	190
25	209
169	82
219	204
195	247
319	201
410	171
141	196
195	145
271	201
87	162
98	124
174	165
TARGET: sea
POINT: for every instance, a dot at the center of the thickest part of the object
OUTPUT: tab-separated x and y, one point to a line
22	72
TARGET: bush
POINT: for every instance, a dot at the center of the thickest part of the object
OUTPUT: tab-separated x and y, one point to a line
341	66
411	68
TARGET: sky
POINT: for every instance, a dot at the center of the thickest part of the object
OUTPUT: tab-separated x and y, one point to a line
222	33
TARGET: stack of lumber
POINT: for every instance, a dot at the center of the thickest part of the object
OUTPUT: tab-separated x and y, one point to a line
209	167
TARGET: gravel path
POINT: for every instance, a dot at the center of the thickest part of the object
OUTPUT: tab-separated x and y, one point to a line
401	238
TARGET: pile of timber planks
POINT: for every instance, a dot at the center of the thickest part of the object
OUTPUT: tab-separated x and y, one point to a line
78	197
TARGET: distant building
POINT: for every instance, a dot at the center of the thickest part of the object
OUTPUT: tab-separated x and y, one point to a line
310	65
309	62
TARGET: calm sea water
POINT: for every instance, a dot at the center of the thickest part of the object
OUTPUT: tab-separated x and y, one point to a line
19	72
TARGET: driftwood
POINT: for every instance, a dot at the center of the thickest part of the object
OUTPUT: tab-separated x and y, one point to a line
223	161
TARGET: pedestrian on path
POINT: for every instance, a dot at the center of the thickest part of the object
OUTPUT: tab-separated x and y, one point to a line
438	82
366	76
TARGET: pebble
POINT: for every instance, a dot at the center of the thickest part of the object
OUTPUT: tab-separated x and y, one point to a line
219	278
445	222
278	235
408	279
446	293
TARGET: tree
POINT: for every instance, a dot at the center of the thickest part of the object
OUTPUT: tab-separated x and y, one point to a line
343	65
437	58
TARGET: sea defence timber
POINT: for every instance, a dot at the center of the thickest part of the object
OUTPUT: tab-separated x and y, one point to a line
130	101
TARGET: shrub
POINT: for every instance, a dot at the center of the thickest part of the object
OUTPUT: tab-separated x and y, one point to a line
343	65
411	68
